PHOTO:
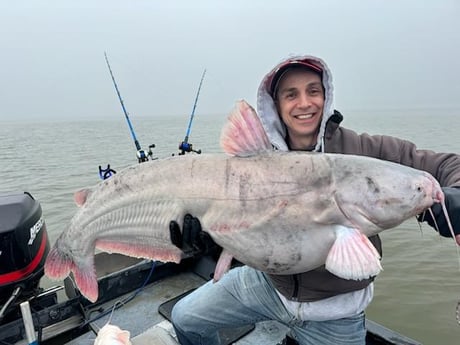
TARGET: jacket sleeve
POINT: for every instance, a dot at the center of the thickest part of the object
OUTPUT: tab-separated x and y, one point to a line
445	167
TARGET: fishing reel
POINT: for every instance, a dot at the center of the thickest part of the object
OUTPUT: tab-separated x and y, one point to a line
187	147
143	156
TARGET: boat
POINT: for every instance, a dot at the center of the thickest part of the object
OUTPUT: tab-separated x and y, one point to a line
136	295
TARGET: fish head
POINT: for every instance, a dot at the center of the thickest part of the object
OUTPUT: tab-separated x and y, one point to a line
388	196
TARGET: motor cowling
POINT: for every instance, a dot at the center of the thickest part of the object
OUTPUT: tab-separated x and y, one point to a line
24	243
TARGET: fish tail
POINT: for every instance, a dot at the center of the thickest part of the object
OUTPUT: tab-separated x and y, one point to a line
59	264
86	280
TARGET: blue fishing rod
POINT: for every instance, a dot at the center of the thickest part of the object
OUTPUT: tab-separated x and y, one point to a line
141	155
185	146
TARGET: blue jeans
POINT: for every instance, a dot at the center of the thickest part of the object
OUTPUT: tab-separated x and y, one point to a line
245	296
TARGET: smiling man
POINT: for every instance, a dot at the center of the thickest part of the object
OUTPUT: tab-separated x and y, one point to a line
299	96
295	106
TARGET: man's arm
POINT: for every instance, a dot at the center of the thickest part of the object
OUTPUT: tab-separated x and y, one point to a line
452	200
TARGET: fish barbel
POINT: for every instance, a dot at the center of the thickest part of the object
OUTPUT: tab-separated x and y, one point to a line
279	212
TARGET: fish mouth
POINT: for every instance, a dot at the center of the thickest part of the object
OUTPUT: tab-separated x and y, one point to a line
438	196
433	190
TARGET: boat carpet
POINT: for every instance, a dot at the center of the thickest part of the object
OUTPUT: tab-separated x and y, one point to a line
227	335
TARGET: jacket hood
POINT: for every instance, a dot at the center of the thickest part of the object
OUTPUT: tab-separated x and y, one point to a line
266	108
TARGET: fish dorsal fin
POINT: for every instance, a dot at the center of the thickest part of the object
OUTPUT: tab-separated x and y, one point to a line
243	135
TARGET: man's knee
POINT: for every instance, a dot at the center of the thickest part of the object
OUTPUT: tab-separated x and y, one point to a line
178	314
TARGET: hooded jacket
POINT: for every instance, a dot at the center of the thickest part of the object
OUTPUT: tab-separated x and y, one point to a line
332	138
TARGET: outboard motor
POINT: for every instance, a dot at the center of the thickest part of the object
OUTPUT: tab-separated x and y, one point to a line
24	246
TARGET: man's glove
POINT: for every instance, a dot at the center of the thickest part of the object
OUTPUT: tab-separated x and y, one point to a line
192	240
452	200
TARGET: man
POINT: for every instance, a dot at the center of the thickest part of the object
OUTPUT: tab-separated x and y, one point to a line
295	105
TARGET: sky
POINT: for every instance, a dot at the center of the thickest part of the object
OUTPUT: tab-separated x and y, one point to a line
384	54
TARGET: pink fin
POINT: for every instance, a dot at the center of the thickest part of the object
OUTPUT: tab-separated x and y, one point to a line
58	265
164	254
113	335
123	337
223	265
81	196
243	134
86	281
353	256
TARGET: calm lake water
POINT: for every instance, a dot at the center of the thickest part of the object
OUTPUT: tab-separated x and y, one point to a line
418	290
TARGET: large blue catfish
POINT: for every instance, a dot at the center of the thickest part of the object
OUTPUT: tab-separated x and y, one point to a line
280	212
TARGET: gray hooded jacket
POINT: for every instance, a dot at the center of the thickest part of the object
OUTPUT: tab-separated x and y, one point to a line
319	283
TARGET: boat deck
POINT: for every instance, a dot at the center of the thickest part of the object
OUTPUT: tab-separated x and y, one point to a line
137	296
147	326
147	323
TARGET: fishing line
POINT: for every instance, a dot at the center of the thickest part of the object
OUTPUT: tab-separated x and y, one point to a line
451	229
122	302
457	312
93	326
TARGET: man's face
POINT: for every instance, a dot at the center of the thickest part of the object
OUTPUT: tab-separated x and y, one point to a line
300	102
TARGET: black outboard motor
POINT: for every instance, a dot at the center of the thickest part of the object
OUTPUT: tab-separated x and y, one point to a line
24	246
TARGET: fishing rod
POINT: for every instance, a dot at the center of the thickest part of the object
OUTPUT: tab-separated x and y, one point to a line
142	156
185	146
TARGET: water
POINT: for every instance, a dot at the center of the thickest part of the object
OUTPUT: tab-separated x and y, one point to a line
418	290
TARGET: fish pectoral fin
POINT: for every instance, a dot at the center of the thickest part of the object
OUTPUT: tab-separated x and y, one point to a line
353	256
223	265
142	249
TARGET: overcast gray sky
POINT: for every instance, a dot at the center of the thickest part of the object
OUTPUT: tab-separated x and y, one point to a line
383	54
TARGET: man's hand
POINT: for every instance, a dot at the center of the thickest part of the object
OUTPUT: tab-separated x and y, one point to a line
192	240
452	200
